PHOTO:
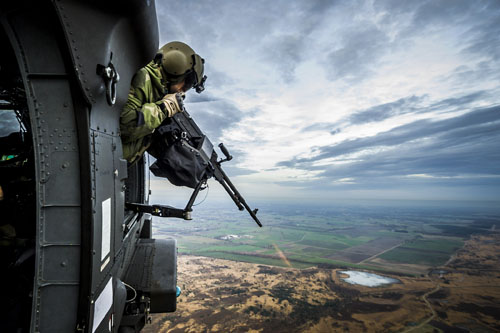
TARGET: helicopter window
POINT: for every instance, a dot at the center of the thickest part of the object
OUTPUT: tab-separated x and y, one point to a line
8	121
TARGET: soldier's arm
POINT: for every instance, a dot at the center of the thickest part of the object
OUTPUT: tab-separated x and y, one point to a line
140	117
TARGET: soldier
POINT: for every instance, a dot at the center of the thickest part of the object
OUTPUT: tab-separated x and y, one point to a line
152	96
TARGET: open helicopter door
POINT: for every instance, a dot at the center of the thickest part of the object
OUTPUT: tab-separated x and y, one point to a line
94	266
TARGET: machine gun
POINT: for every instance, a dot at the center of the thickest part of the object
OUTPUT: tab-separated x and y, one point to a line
186	157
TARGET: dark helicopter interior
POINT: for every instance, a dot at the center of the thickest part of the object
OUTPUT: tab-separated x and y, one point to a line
17	196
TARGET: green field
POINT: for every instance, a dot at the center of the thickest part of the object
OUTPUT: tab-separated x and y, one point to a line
440	245
414	256
303	239
431	252
254	259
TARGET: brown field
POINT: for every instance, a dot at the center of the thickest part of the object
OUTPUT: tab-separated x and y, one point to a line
227	296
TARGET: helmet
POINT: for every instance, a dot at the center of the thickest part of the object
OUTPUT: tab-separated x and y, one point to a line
179	62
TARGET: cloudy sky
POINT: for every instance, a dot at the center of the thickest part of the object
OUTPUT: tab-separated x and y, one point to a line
349	99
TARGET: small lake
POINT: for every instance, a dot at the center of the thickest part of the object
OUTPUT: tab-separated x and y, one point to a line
368	279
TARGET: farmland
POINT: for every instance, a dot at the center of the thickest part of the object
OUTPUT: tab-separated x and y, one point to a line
288	275
407	241
228	296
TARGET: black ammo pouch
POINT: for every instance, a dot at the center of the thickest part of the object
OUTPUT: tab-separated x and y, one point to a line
177	158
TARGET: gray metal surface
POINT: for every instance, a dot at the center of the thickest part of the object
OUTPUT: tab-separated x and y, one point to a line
56	286
80	174
124	34
154	270
95	29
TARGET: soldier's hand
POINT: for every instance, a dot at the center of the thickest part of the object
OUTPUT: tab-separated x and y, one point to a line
171	104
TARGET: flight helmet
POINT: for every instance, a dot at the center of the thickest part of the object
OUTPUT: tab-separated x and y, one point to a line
179	62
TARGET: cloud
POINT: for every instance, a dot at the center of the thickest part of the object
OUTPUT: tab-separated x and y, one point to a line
406	105
462	147
484	37
469	167
445	156
217	79
361	48
233	171
460	102
276	35
468	28
288	41
475	21
439	12
464	75
415	105
214	116
387	110
427	14
410	83
420	129
286	52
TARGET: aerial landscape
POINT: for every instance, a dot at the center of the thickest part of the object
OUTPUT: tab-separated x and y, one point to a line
250	166
367	134
336	269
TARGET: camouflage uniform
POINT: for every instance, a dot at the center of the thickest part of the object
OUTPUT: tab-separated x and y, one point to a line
143	112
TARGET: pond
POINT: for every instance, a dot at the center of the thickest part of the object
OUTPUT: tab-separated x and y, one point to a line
368	279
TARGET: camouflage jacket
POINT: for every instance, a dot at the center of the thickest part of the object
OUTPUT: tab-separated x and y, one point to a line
142	113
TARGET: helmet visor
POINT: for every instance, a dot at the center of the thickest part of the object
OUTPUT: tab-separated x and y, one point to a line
198	68
190	80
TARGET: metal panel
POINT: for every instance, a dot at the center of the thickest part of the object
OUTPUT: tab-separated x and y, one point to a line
154	270
60	315
36	46
62	225
58	48
120	174
63	177
129	29
49	98
164	277
102	149
62	264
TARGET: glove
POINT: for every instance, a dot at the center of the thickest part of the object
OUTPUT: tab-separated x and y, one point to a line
170	105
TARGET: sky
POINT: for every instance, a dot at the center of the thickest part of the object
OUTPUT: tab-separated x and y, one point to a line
326	100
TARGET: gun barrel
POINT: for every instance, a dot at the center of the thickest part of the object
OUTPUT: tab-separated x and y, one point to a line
231	194
221	176
252	213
